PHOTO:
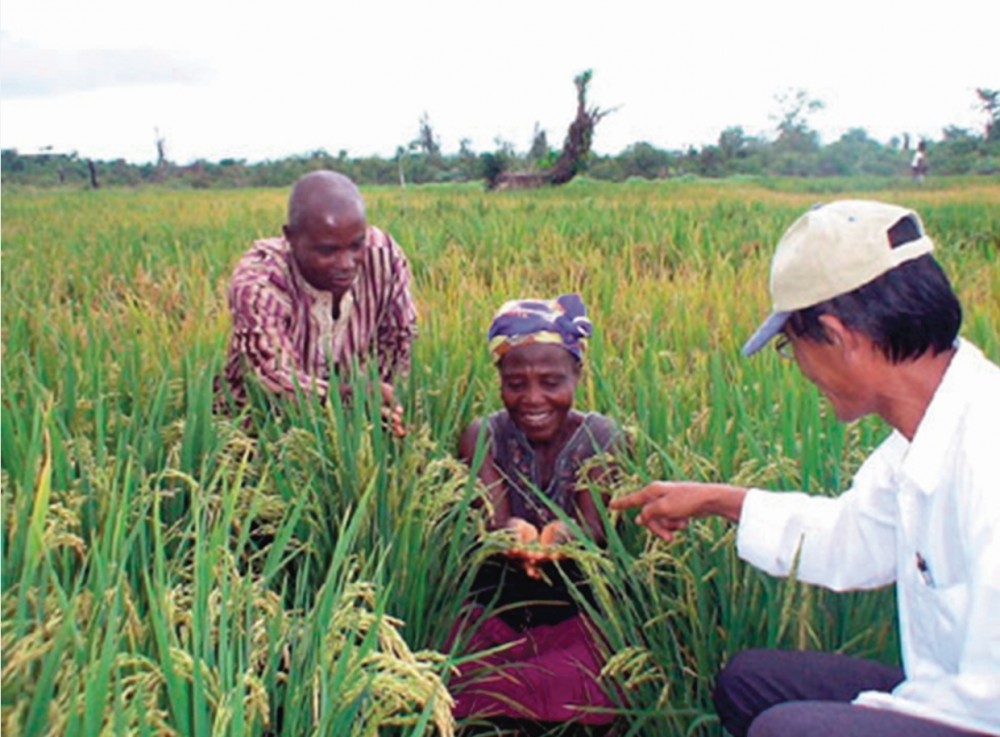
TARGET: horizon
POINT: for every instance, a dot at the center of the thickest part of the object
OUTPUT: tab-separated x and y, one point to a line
106	80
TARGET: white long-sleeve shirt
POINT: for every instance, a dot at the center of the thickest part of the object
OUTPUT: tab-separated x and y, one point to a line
923	514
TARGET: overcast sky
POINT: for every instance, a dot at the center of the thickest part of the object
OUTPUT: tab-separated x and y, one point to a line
264	80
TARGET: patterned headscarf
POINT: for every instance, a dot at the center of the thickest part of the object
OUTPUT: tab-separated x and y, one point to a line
561	321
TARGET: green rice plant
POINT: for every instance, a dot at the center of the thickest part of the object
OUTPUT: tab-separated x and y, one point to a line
296	569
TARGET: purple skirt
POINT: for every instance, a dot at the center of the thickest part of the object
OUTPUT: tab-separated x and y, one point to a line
548	673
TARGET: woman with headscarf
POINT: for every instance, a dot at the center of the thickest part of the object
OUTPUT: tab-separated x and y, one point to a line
532	466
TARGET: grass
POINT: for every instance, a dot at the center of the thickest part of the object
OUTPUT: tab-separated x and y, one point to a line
168	571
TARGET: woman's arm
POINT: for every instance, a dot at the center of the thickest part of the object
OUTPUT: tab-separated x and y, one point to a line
488	473
587	512
600	476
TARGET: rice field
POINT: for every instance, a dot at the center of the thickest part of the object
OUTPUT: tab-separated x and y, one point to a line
166	571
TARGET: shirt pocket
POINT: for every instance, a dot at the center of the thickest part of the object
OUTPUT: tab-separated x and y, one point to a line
942	612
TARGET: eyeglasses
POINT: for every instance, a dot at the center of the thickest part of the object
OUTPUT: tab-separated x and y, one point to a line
783	345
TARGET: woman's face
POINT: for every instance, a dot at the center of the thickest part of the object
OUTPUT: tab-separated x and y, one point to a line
537	383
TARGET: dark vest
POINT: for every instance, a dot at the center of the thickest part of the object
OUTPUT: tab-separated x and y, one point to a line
514	457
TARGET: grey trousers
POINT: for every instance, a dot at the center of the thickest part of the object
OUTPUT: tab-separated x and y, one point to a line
786	693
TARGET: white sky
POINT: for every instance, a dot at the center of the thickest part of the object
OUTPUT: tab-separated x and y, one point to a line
264	80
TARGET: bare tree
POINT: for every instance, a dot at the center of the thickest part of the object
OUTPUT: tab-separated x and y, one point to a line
574	151
400	155
794	133
161	150
579	137
426	141
92	168
989	102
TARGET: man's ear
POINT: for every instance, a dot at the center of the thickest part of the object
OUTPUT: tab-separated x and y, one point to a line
839	334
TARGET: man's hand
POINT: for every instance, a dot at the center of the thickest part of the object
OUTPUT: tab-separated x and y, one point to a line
392	411
667	506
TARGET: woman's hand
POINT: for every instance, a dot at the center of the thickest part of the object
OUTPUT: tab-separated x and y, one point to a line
524	532
554	533
532	548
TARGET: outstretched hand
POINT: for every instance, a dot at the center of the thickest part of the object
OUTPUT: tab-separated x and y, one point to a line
666	507
532	548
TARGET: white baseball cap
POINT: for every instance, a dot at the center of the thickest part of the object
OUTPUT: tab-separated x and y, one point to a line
833	249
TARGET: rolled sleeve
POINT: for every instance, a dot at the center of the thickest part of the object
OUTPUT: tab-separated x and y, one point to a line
845	542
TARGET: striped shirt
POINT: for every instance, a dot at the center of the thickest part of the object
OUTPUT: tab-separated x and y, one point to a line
284	330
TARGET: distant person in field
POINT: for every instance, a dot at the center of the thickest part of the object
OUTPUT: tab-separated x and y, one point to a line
918	165
870	318
535	451
331	293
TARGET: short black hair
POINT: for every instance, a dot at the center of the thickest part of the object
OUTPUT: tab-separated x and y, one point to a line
906	312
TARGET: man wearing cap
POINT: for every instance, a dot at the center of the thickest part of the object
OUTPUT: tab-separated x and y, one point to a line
332	293
871	319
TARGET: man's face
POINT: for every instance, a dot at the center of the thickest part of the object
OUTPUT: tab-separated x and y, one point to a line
328	250
841	379
537	383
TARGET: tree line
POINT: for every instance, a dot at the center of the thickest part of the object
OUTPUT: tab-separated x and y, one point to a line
793	149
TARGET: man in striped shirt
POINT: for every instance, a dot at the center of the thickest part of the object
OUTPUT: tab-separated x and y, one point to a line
332	291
